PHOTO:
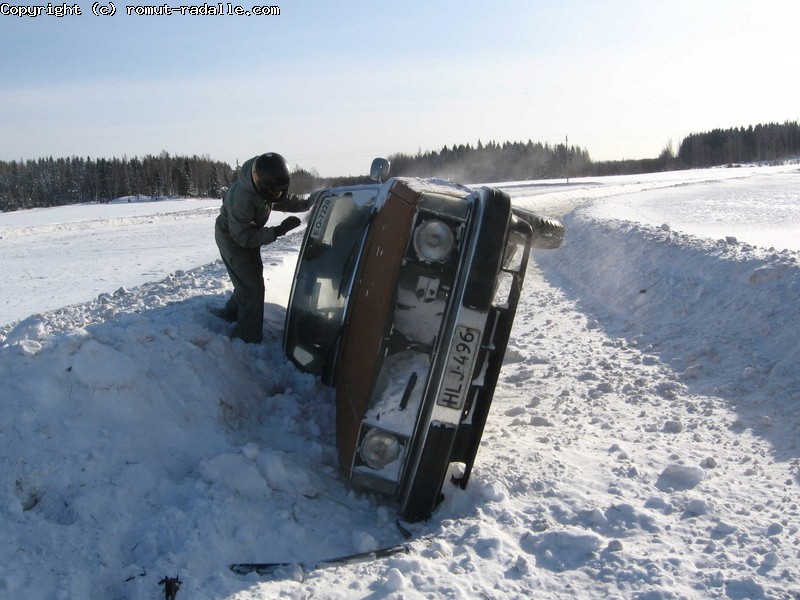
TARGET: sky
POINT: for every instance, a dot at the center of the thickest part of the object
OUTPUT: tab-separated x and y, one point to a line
331	85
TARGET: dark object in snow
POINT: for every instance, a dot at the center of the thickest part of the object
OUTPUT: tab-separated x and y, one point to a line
171	586
269	567
403	301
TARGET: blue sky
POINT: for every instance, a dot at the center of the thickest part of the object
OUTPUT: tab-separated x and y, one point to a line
330	85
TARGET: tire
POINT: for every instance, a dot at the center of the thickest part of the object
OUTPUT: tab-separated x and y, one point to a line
547	233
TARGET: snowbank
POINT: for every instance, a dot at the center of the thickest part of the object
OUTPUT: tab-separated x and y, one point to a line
642	442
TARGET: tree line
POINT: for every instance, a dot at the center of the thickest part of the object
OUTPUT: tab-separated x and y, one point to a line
509	161
516	161
53	182
769	142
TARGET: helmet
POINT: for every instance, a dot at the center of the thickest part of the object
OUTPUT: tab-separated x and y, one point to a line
270	175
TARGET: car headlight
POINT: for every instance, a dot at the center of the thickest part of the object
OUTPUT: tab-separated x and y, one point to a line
433	241
379	449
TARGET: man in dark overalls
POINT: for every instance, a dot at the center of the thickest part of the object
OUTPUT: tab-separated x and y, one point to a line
262	185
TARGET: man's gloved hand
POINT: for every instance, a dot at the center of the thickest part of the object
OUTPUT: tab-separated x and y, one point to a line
297	203
307	203
287	225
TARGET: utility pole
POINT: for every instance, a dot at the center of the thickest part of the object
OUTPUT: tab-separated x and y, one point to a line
566	160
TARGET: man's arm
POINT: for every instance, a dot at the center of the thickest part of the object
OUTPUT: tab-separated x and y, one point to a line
246	224
293	204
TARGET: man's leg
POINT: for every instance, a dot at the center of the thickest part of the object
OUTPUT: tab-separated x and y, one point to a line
230	312
247	274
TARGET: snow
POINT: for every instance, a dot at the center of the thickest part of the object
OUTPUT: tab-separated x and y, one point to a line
642	442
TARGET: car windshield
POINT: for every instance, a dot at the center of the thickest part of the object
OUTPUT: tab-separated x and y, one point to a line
322	284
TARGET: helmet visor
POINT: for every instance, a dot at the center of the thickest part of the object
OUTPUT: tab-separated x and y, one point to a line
266	186
271	192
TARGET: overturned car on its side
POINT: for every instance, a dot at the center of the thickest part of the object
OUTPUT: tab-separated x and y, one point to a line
403	300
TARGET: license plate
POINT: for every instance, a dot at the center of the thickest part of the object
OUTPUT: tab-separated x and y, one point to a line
321	216
458	372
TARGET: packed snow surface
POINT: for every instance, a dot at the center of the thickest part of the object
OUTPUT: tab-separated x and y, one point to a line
643	441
